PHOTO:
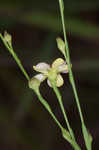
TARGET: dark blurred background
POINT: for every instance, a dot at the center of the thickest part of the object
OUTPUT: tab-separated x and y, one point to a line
34	26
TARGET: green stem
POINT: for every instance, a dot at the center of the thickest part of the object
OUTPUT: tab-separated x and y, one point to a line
67	57
75	146
67	135
76	95
69	64
10	49
57	92
46	105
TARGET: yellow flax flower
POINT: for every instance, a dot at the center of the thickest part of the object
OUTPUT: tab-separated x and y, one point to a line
52	73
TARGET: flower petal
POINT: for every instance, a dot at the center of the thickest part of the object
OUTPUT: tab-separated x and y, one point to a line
42	67
41	77
63	68
48	82
59	81
57	62
35	81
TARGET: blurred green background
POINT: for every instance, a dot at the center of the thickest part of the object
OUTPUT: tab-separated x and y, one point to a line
34	26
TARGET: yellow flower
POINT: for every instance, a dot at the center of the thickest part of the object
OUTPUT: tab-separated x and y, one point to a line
52	73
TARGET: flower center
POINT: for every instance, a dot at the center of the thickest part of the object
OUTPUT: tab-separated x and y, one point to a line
52	74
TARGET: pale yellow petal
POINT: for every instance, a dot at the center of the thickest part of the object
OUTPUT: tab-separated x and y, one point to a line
49	83
57	62
63	68
59	81
42	67
41	77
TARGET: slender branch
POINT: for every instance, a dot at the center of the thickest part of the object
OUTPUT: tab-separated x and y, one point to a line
46	105
57	92
69	63
65	133
88	141
10	49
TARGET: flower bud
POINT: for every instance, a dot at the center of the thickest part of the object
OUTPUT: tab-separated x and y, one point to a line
8	38
61	45
34	83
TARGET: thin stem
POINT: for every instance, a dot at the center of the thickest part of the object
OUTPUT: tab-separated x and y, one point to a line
57	92
10	49
46	105
76	96
69	64
88	142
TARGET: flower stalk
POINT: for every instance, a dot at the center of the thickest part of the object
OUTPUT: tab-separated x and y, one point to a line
7	40
34	84
59	97
88	142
